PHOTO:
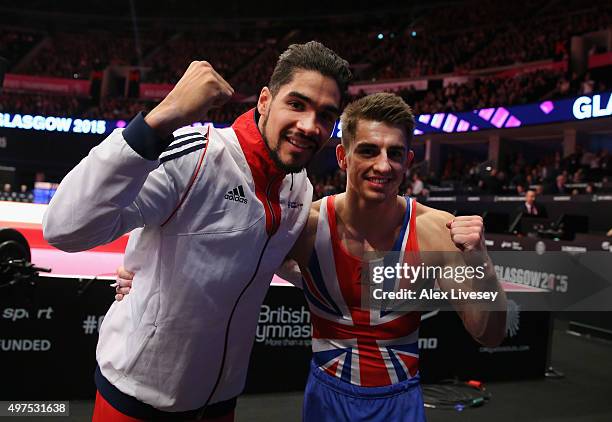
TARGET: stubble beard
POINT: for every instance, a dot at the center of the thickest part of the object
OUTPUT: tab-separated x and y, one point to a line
274	152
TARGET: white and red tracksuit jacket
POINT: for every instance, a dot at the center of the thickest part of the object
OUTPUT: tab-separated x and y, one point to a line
212	219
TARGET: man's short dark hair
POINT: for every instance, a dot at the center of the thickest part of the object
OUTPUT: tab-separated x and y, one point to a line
381	107
310	56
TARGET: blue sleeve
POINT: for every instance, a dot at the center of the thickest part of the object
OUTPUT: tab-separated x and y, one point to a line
143	139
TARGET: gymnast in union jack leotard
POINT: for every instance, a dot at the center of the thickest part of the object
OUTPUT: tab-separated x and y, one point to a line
365	357
356	347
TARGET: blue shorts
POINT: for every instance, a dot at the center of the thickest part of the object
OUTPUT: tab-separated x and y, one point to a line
330	399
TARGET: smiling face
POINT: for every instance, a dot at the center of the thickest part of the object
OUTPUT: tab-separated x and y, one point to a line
376	160
297	121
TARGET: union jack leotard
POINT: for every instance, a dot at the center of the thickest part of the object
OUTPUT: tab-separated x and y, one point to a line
351	340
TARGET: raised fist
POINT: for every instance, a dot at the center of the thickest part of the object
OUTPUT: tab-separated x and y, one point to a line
467	233
200	89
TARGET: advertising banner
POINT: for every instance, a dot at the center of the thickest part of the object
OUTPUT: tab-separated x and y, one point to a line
78	87
566	110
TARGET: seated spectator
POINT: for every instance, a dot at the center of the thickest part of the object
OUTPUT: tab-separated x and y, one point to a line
558	188
491	184
417	185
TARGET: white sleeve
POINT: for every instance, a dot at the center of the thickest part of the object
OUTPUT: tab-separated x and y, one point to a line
109	193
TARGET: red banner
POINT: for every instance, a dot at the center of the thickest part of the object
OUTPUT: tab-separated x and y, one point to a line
47	84
531	67
159	91
370	88
154	91
600	60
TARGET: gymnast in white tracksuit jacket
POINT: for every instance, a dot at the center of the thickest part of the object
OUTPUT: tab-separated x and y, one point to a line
213	215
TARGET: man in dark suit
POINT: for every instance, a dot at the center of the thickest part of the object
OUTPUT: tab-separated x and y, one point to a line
530	208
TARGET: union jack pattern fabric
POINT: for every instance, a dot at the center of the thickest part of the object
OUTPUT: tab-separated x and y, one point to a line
355	342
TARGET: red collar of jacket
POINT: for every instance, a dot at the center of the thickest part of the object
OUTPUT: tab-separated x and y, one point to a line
266	175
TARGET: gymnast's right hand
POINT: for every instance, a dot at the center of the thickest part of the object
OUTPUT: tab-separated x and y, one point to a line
200	89
123	283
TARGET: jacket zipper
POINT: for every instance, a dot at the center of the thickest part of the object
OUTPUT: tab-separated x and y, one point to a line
274	228
244	289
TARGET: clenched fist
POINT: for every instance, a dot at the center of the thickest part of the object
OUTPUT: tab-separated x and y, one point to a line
200	89
467	233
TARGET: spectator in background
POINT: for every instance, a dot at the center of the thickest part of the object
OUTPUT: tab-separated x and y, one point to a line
491	184
588	85
7	188
590	189
563	87
417	185
558	188
530	207
539	190
578	176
